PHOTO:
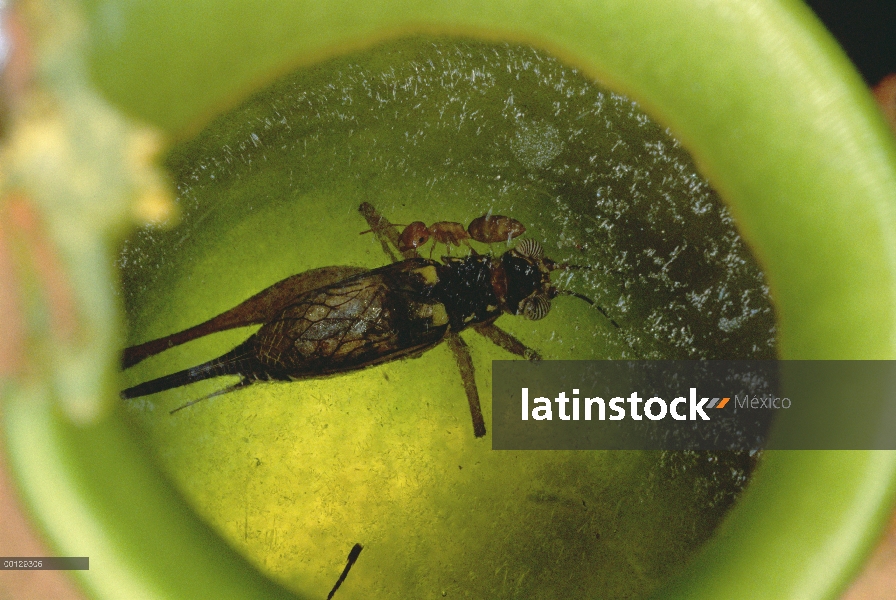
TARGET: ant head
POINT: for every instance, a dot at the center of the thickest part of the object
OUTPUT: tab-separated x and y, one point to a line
413	236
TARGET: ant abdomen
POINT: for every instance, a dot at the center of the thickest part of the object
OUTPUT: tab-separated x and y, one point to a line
490	229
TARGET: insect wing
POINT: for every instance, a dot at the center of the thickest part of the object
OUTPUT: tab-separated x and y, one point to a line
364	320
260	308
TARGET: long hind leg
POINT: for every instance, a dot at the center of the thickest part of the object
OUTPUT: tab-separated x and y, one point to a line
465	364
501	338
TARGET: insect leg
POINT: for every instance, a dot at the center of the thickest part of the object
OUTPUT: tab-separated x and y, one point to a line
503	339
352	557
465	364
384	231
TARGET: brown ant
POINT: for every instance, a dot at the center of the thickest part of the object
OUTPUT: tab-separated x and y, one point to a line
487	229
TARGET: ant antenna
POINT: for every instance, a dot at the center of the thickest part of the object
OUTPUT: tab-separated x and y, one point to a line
230	388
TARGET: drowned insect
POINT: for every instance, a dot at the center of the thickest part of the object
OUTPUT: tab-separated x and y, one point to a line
338	319
488	229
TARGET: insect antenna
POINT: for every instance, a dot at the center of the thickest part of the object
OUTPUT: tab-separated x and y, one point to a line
559	292
352	557
569	267
604	313
230	388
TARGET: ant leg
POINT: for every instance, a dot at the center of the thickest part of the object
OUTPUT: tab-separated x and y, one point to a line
384	231
501	338
465	364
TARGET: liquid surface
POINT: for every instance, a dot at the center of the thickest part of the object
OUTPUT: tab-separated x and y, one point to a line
434	130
